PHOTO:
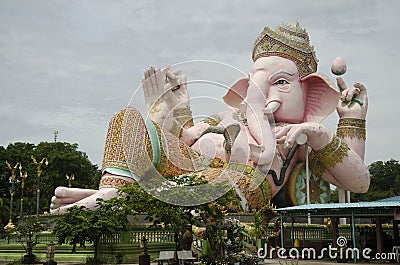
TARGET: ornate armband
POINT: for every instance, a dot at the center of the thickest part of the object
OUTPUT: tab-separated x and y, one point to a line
351	127
213	120
333	153
113	182
316	166
181	117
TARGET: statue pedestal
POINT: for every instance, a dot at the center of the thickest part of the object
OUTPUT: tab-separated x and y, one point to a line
28	259
50	263
144	259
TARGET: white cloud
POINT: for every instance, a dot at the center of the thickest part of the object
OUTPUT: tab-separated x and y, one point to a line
70	65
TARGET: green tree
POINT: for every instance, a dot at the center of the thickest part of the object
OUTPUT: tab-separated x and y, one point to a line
2	217
64	158
385	181
334	197
261	221
137	200
82	226
27	231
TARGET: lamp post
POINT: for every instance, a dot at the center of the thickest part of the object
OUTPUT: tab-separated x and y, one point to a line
39	172
70	179
10	224
23	177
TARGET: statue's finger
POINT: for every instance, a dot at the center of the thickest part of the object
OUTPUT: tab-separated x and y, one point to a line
149	87
147	82
171	76
360	86
343	95
283	131
351	93
145	88
174	81
363	92
166	69
55	200
153	79
291	137
146	74
54	206
63	192
341	84
281	140
177	72
160	79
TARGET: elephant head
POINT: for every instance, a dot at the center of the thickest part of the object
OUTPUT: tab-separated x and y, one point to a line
283	84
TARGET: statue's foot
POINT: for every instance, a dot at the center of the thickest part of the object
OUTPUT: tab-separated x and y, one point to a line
68	197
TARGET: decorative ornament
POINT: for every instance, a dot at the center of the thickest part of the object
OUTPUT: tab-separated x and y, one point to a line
289	41
352	128
333	153
297	188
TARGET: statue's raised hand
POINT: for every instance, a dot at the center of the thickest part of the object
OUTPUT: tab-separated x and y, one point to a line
164	90
353	101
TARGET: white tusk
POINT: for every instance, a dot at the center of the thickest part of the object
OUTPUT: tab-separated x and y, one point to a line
271	107
242	107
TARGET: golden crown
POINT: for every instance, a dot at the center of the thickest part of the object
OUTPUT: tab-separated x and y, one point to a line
289	41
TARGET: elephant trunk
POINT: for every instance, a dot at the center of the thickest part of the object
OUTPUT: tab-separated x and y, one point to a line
263	152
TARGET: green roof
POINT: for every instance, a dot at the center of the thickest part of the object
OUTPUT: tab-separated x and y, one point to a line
383	207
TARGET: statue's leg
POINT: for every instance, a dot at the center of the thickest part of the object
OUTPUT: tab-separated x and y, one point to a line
115	170
89	202
64	196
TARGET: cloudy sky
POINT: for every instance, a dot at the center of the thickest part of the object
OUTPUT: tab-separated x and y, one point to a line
68	66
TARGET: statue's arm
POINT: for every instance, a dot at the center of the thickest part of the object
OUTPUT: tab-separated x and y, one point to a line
352	124
338	158
344	155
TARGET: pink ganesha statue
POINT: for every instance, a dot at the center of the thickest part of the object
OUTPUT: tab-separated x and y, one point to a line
260	143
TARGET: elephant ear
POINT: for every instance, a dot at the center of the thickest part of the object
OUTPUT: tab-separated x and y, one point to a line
237	92
322	97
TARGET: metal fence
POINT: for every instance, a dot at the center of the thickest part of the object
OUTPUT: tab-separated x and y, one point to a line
130	237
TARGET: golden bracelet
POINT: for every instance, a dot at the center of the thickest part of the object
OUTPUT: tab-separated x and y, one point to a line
316	166
351	127
213	120
179	112
352	122
112	182
333	153
182	117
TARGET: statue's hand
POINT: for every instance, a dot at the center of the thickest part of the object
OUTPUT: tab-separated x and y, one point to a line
318	136
178	96
153	83
164	90
353	101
